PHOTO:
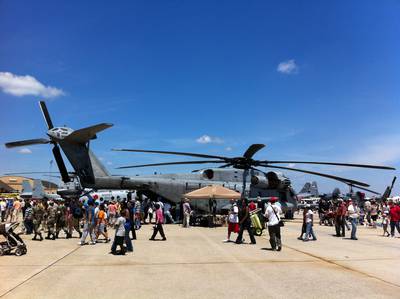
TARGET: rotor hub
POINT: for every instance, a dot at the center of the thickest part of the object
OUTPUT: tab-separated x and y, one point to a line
59	132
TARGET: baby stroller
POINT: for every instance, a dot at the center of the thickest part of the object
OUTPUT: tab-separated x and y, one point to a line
13	241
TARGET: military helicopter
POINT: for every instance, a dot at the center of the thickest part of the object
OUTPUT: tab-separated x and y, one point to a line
239	173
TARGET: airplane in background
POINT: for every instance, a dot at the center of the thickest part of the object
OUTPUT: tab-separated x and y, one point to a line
35	191
238	173
308	190
26	191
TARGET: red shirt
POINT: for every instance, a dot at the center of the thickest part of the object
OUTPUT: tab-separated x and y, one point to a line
252	206
341	210
394	213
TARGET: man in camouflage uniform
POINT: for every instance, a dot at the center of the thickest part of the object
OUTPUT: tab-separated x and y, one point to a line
38	215
61	218
51	220
77	214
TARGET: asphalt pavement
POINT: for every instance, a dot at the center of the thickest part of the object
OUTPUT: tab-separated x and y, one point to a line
195	263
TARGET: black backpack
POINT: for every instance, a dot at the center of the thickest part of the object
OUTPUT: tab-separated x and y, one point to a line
77	212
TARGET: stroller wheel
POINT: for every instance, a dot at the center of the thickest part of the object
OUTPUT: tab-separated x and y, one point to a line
24	250
19	252
1	251
258	232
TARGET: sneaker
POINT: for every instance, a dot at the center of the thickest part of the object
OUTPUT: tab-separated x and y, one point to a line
279	248
92	243
81	243
226	241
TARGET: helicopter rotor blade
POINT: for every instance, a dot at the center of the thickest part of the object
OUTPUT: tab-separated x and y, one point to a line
341	179
331	163
252	150
173	153
226	165
365	189
32	172
27	142
60	164
172	163
46	114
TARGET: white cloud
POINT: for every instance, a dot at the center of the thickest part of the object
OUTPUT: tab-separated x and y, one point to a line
291	165
228	149
26	85
25	151
109	163
208	139
288	67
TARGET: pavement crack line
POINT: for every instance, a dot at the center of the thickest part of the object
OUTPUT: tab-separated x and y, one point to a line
333	262
37	273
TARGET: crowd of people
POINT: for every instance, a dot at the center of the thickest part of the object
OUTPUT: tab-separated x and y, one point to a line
239	220
340	212
90	218
343	214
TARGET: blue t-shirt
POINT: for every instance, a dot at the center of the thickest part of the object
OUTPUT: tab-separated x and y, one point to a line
90	211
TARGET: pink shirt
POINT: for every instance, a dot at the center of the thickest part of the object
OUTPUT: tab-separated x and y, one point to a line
159	216
112	209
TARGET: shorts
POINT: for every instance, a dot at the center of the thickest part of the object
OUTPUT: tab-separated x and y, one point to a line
233	227
101	228
374	217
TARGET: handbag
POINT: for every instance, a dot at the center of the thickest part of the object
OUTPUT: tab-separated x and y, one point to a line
280	223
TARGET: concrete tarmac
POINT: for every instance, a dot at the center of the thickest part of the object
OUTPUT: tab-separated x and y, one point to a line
195	263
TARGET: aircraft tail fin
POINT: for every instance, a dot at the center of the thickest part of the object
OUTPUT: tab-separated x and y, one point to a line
76	147
314	189
86	134
38	190
306	188
86	165
26	187
310	188
336	193
388	190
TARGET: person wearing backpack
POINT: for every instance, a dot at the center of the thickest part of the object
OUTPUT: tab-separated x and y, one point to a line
89	224
131	208
77	215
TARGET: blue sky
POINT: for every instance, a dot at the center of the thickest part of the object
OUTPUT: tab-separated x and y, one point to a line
312	80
